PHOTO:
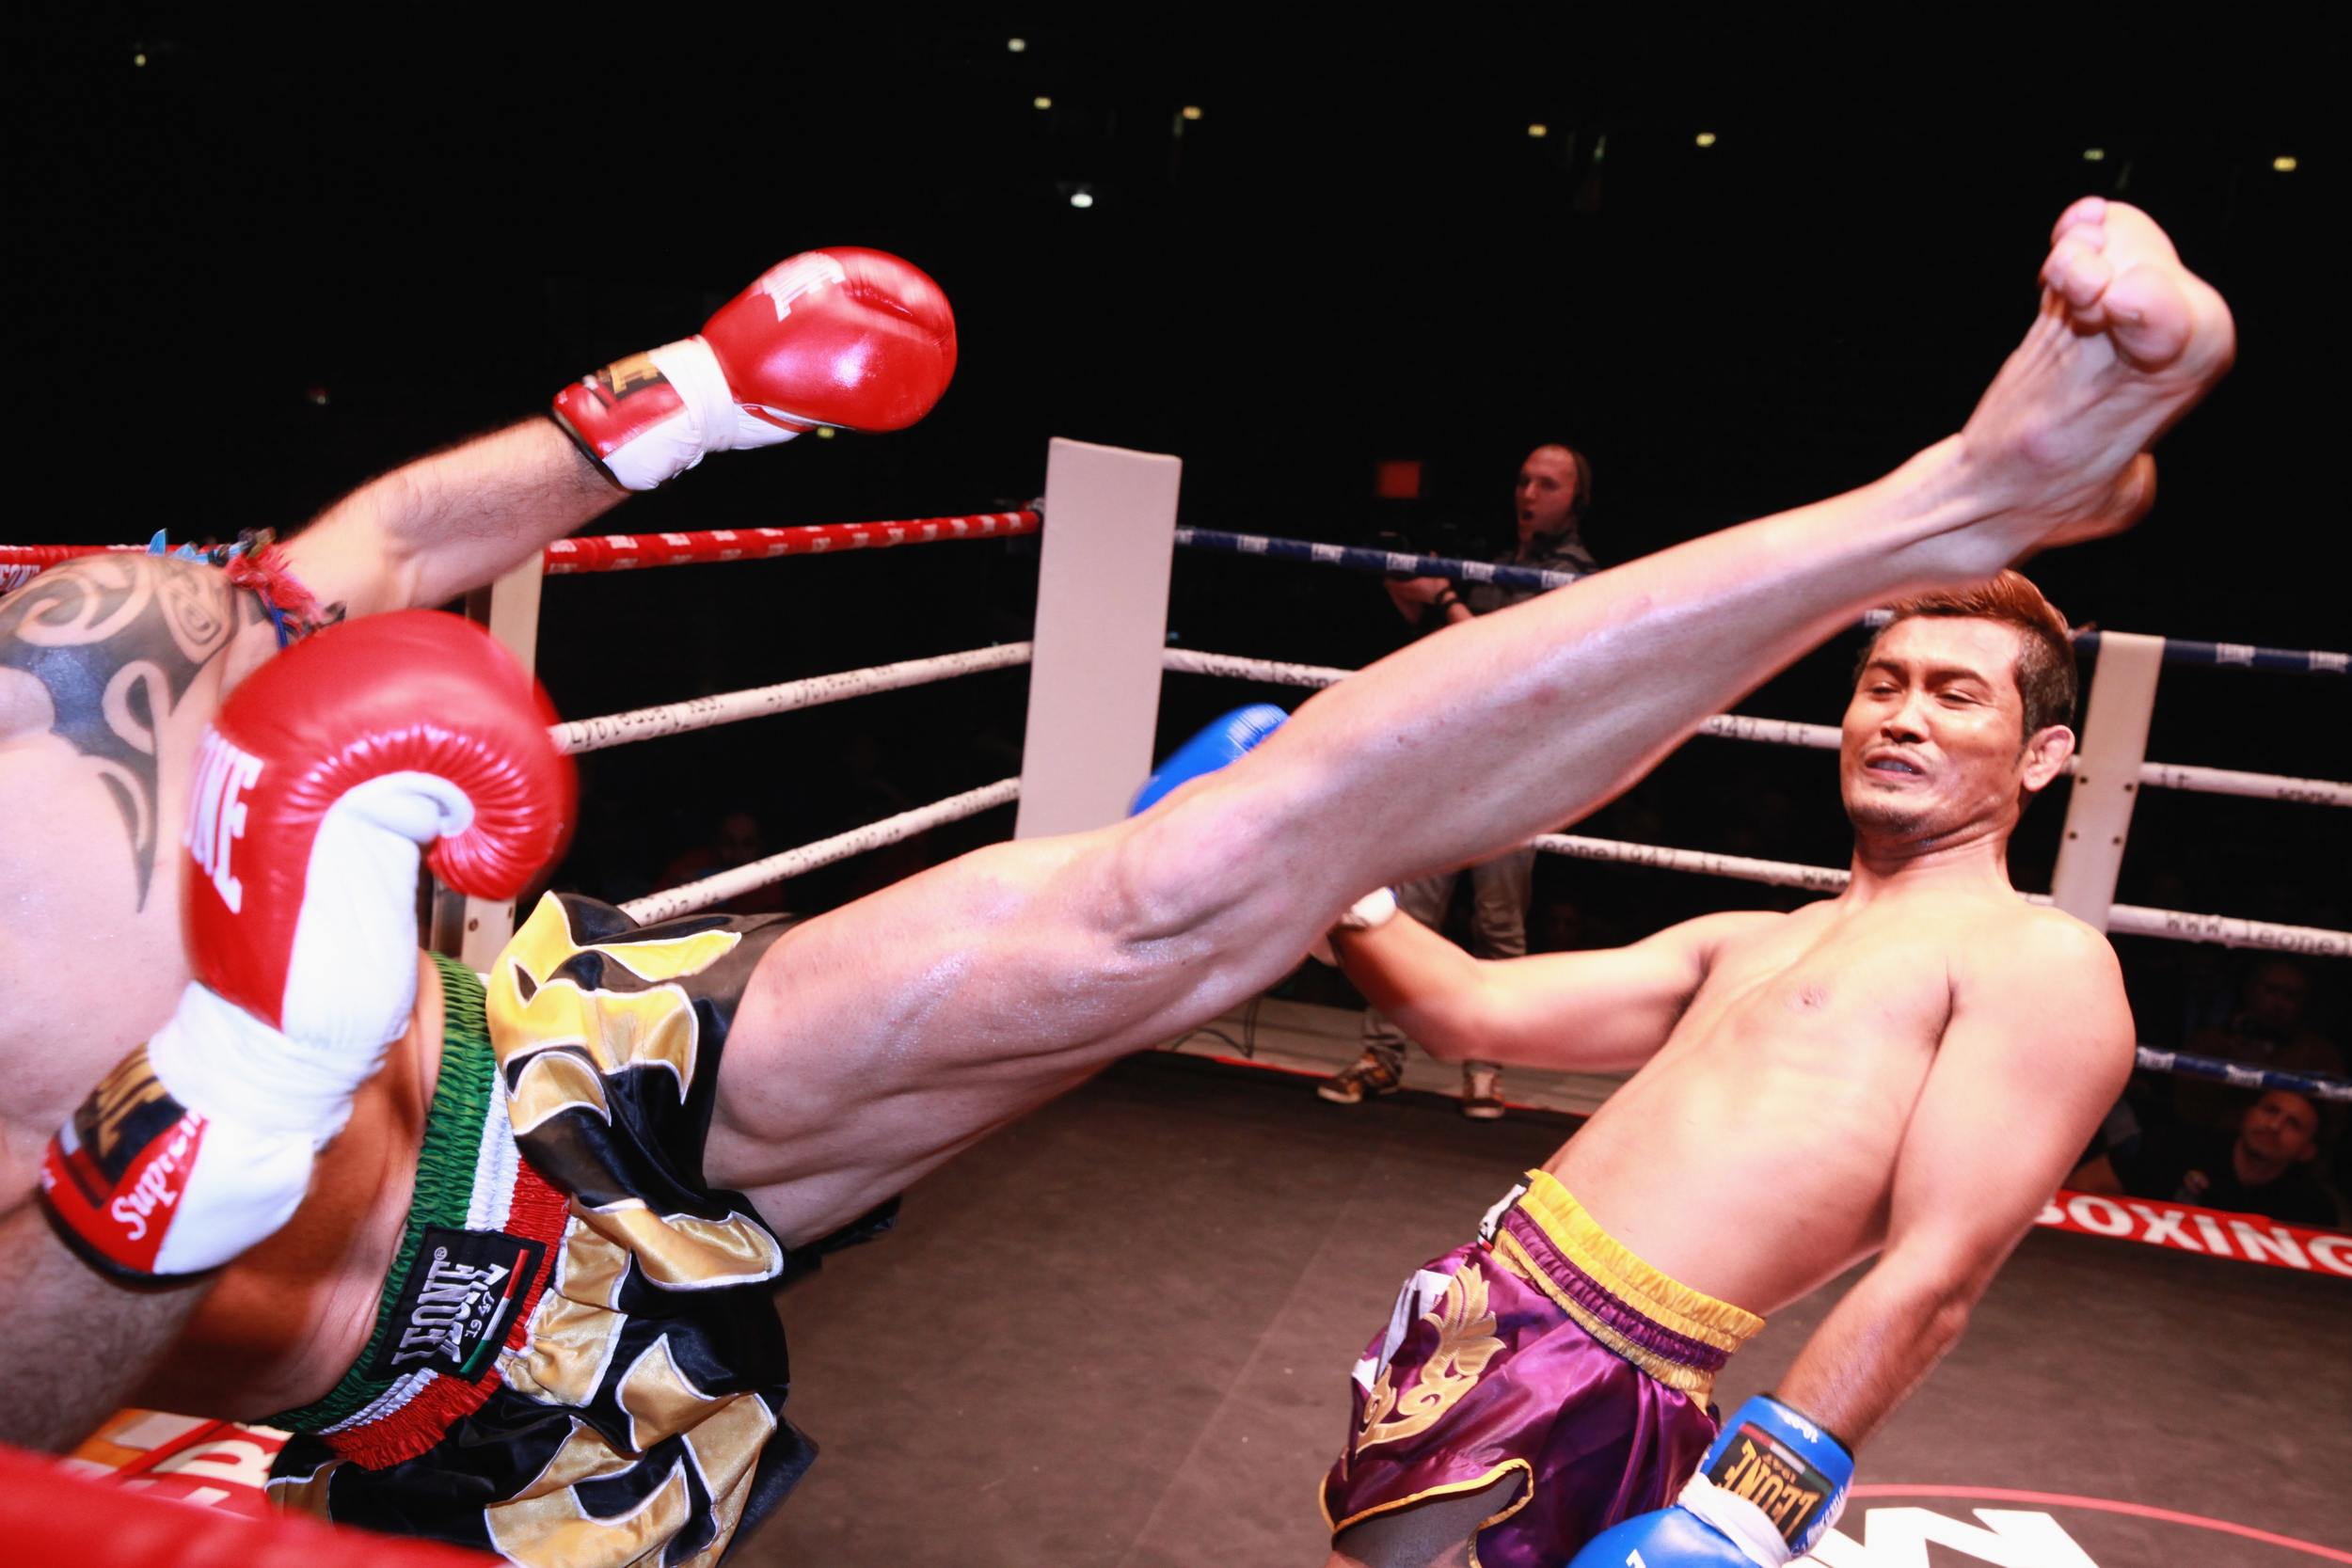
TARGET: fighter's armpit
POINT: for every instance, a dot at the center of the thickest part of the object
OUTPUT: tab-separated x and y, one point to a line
112	644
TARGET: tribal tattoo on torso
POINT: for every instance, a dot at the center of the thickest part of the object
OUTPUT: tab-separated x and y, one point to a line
116	641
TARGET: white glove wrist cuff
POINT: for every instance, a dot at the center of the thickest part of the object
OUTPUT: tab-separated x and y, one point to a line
217	1058
718	419
692	369
1744	1523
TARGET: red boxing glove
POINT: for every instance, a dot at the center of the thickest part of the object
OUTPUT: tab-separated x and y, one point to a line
319	784
854	338
339	759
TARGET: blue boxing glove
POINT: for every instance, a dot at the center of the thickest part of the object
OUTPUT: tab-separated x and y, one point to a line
1224	740
1766	1492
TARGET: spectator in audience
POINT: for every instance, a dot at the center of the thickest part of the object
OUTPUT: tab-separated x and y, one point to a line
736	840
2263	1169
2266	1029
1553	492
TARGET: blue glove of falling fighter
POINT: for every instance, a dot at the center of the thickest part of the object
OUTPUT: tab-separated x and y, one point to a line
1766	1492
1224	740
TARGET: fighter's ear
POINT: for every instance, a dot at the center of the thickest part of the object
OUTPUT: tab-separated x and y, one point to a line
2047	752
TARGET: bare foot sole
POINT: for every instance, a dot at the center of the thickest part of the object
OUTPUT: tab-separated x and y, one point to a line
2126	341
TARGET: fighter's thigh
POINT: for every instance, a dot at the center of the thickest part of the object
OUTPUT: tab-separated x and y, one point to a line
879	1038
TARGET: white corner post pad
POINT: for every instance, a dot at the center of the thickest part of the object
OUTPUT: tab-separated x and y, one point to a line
2106	775
1106	555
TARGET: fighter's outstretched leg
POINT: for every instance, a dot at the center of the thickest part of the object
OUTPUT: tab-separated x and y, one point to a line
876	1041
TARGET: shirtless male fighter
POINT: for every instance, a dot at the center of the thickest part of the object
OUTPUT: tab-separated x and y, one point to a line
1909	1069
636	1396
111	667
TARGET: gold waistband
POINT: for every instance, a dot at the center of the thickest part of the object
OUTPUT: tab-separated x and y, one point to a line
1652	1293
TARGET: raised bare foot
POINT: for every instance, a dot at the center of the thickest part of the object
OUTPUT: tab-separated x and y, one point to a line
2126	341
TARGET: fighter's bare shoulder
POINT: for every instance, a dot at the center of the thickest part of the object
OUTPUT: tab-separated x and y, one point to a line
1708	939
2045	972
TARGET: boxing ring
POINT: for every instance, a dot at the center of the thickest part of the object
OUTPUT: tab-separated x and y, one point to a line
1118	505
1265	1261
1937	1483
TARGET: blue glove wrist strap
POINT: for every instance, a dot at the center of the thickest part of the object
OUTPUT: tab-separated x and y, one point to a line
1792	1470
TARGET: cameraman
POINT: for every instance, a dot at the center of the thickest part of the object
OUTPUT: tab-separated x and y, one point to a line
1554	492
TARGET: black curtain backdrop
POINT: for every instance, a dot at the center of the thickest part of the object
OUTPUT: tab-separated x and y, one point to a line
284	253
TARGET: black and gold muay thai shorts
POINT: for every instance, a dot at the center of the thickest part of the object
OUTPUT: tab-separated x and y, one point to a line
576	1358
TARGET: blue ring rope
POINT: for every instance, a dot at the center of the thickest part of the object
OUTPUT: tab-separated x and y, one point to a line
2217	655
2312	1086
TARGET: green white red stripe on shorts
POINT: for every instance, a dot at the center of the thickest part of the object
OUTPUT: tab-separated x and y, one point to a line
470	1179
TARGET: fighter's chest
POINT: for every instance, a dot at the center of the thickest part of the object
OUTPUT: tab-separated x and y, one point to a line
1834	987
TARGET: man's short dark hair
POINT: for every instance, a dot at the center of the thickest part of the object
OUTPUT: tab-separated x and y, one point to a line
2044	671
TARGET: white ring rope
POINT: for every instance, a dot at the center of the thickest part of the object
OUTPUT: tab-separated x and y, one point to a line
1184	661
2256	787
808	857
702	713
2134	920
1813	879
1789	731
2125	919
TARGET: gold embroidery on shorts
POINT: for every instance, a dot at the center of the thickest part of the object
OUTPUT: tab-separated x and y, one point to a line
550	1081
616	1029
1466	1342
546	1527
685	1252
727	1446
660	1400
575	1328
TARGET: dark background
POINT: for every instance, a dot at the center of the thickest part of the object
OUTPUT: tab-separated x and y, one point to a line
285	253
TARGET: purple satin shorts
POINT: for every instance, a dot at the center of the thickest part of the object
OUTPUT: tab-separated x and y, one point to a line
1547	1348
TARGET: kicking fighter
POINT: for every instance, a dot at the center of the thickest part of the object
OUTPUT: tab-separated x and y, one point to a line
111	667
691	1106
1907	1070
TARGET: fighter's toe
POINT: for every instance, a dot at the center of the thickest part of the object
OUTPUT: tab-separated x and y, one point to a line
2090	211
2078	271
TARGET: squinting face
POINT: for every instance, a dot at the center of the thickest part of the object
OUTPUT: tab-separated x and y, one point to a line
1933	748
1547	491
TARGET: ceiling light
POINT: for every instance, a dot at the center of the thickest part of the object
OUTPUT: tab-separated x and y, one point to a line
1082	198
1041	102
1539	131
2284	163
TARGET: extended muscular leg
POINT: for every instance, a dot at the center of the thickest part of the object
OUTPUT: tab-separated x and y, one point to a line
1435	1534
884	1035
